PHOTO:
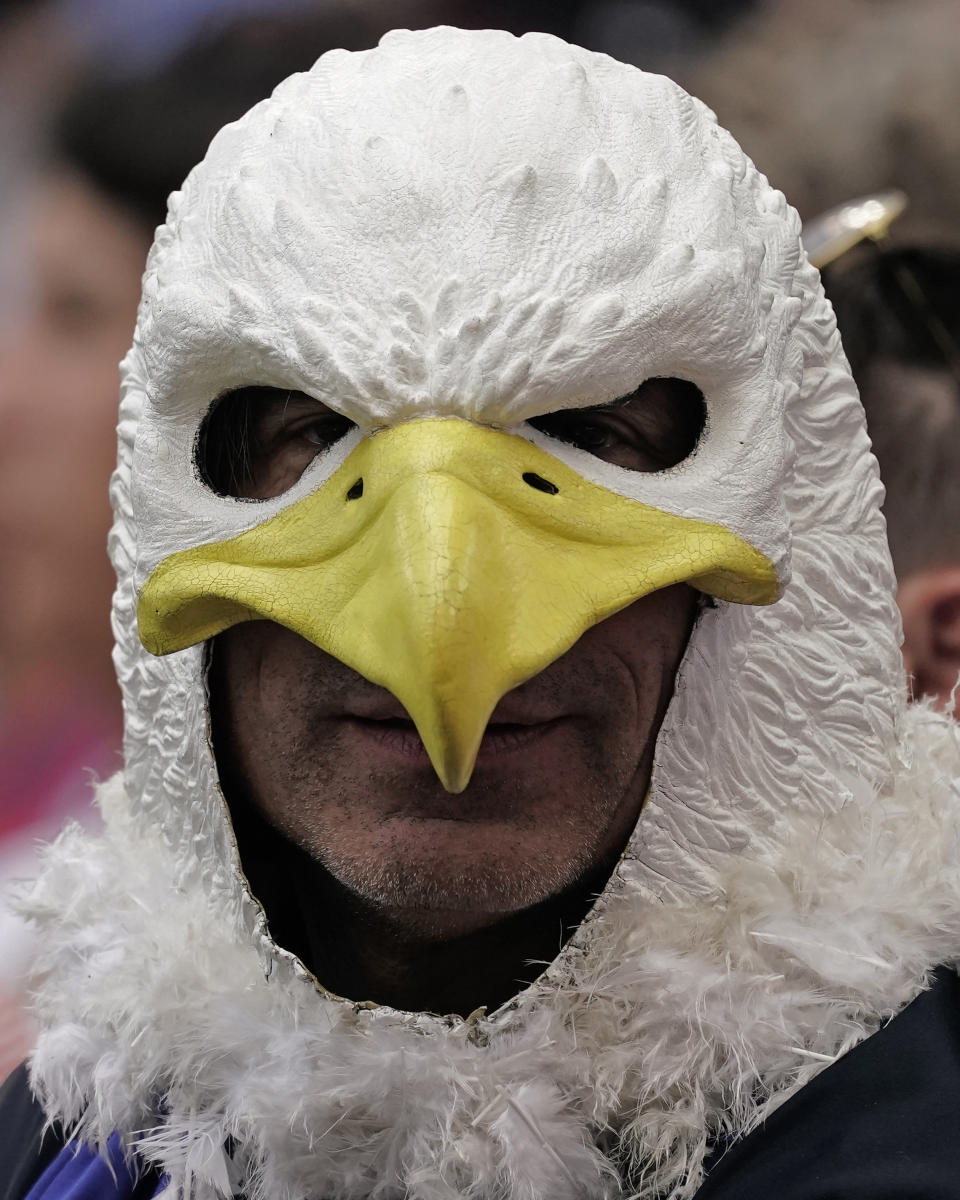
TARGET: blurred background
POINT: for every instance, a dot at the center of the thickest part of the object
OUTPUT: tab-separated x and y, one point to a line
106	104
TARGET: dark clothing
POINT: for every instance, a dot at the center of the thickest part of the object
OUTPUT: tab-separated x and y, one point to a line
25	1150
37	1164
882	1123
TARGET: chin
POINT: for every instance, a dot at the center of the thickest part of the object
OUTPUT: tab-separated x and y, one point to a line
429	884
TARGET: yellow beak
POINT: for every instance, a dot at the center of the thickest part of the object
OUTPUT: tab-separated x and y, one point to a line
465	562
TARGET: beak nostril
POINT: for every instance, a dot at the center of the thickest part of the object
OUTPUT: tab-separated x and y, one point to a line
356	490
541	484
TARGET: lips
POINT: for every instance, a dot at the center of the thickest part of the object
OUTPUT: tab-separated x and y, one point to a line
513	725
512	710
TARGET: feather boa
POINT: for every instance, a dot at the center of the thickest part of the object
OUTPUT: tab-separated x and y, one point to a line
670	1023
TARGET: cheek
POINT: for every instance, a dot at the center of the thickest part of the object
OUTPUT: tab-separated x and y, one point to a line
267	689
256	686
646	641
239	727
281	472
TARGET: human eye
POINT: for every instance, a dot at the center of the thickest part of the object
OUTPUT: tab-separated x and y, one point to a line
651	429
256	442
324	433
587	429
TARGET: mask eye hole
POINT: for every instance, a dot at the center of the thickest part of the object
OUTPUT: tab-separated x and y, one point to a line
256	442
651	429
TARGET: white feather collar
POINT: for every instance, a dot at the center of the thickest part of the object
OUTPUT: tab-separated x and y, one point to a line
669	1024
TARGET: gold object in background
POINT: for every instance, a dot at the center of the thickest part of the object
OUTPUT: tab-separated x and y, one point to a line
837	230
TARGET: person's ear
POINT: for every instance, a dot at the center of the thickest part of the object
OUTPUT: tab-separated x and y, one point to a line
930	606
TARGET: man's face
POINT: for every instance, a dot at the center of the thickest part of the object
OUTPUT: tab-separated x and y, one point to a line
334	763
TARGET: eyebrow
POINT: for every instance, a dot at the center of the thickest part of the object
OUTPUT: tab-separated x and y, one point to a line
619	402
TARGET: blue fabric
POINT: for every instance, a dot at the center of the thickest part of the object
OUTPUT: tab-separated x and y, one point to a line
80	1173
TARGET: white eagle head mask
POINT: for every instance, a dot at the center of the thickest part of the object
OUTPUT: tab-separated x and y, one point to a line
443	239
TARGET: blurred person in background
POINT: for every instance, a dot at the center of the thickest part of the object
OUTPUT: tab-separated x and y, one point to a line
898	310
841	98
73	257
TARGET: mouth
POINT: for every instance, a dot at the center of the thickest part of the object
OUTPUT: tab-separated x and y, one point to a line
398	735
